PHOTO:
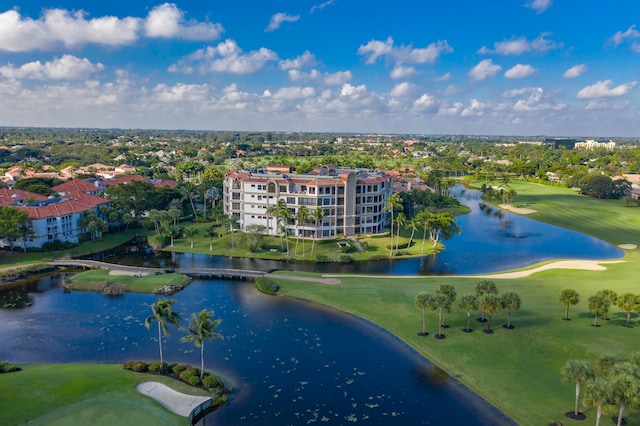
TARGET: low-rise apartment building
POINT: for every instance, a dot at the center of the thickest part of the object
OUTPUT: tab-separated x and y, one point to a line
352	201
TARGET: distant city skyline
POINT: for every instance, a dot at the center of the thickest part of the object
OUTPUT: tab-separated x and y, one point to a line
530	67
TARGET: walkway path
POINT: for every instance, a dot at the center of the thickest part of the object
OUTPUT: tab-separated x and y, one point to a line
180	403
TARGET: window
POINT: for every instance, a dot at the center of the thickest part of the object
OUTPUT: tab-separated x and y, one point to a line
291	200
283	188
271	188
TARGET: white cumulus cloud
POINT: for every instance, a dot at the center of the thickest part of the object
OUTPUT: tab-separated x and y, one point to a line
520	71
278	19
540	5
181	92
484	69
58	27
227	56
603	89
294	93
307	59
575	71
167	21
337	78
426	103
68	67
375	49
520	45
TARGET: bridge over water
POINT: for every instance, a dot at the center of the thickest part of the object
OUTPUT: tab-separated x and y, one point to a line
234	274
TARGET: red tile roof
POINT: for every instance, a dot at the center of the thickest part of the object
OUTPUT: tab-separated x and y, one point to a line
9	197
77	202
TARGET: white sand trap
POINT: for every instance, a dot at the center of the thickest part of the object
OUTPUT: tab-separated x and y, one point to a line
587	265
628	246
180	403
517	210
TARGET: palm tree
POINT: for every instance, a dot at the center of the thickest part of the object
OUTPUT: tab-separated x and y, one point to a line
202	327
231	222
424	220
302	216
449	291
597	303
318	215
189	232
597	393
628	302
442	304
611	298
579	371
401	220
211	232
568	297
391	204
469	302
490	305
484	288
162	313
413	224
423	301
625	388
511	302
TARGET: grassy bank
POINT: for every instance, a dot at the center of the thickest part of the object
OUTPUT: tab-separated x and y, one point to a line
94	279
516	370
18	258
81	394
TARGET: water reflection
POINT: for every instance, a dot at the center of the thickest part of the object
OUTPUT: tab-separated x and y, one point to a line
491	240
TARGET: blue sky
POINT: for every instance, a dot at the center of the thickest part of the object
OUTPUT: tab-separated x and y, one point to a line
510	67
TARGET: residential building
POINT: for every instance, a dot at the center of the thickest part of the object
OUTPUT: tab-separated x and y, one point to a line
352	200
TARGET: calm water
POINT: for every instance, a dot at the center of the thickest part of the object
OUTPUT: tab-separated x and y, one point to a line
489	242
288	362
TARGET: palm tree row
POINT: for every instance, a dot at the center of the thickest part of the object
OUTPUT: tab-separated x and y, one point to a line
601	302
609	387
201	327
486	298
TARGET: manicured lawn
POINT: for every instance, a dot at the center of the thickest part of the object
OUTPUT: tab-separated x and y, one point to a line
92	281
516	370
81	394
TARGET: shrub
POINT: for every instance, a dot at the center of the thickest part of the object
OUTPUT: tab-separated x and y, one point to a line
267	286
179	368
7	367
188	373
194	380
138	366
401	253
155	367
212	382
347	248
344	258
112	288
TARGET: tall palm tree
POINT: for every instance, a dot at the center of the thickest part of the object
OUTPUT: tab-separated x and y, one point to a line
511	302
628	302
318	215
202	327
597	393
568	297
484	288
401	220
302	217
162	313
423	301
189	232
469	302
579	371
449	291
211	232
391	204
490	305
625	388
597	303
441	304
610	298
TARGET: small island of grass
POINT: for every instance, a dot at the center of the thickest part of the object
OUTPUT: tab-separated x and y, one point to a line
98	279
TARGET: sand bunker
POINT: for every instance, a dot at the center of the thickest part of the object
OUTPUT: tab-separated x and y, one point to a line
180	403
130	273
628	246
517	210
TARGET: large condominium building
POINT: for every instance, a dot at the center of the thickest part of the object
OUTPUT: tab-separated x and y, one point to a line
351	201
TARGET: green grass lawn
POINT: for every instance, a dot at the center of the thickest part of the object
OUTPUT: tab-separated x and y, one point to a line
93	279
516	370
82	394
